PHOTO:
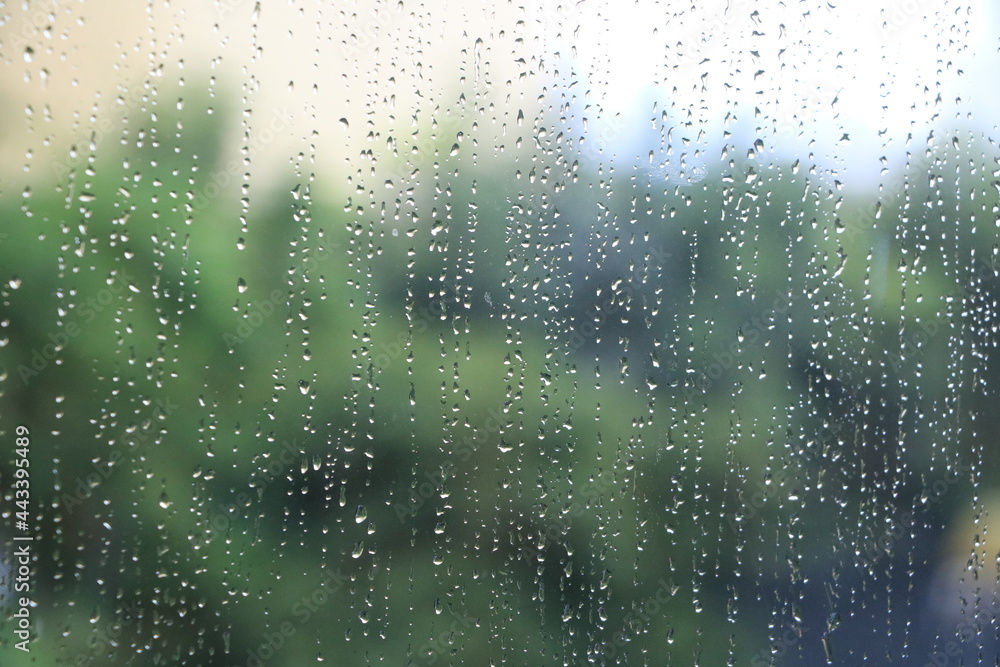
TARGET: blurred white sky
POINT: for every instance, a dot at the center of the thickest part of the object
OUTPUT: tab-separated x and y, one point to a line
885	63
392	70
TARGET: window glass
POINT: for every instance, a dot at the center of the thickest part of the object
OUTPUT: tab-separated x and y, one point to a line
467	333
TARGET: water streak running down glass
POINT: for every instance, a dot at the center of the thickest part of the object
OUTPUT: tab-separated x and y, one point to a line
565	333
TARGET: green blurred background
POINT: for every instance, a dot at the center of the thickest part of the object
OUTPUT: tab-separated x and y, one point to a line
472	407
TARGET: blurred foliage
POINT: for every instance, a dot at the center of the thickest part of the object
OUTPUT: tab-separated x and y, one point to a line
524	420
